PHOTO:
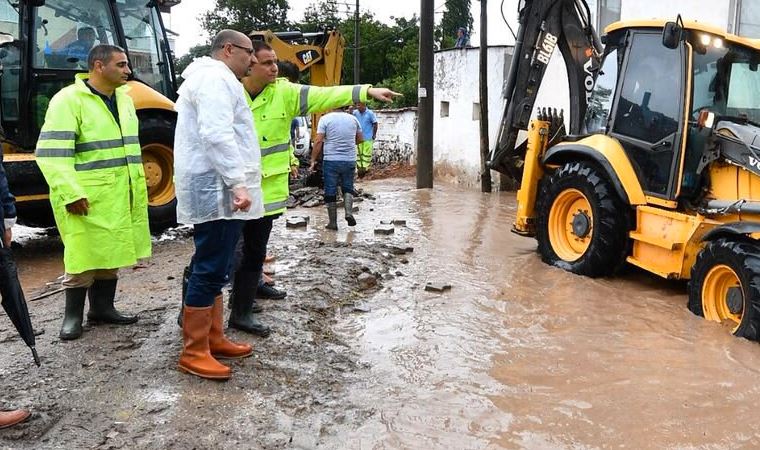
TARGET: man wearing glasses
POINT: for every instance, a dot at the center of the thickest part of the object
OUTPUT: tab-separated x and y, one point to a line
218	183
274	102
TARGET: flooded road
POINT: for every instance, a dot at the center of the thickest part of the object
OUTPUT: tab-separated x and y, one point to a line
522	355
516	355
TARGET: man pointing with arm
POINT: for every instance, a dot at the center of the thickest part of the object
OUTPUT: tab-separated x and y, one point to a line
274	102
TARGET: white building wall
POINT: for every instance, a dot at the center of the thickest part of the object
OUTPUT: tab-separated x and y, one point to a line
396	136
456	138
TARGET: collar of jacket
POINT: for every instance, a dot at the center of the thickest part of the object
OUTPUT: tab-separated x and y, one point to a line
266	94
80	78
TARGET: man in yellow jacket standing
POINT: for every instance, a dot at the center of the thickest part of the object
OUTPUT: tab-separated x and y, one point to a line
89	153
274	103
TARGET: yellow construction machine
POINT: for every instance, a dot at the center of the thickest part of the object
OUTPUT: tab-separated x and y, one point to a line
661	164
321	53
43	44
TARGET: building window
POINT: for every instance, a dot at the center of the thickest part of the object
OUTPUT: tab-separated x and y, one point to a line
476	111
609	11
603	13
444	109
749	18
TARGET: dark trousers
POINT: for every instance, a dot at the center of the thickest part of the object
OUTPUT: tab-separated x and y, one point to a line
214	252
252	248
334	171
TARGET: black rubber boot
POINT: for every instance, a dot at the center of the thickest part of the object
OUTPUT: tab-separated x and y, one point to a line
348	207
101	295
268	292
72	314
185	279
332	216
242	299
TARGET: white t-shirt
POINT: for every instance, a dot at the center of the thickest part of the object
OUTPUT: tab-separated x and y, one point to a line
340	131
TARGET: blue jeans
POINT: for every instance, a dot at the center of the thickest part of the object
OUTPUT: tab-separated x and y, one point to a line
332	170
214	250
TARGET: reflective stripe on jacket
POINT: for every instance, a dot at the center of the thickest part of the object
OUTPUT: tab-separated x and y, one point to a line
84	153
273	110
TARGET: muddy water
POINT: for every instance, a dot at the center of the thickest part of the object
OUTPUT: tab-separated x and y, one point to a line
522	355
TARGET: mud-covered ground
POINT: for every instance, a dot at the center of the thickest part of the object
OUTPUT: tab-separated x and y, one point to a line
516	354
118	387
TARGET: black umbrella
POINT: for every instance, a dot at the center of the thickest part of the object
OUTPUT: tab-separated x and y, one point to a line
13	302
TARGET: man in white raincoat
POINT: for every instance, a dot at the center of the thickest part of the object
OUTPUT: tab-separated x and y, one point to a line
218	183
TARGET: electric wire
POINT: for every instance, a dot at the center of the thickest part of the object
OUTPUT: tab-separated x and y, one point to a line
501	8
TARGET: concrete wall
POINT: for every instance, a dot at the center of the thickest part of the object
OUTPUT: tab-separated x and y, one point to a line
456	138
396	136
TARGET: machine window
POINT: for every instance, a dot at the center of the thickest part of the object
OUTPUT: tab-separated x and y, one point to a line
650	96
598	110
67	30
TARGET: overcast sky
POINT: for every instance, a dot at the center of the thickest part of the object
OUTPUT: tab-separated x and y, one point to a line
184	18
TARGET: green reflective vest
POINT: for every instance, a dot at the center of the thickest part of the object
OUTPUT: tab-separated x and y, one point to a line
84	153
273	110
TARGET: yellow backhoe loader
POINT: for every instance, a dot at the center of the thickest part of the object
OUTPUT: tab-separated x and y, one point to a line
43	43
660	167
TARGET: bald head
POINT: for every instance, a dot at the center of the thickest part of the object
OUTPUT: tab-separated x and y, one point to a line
225	37
234	49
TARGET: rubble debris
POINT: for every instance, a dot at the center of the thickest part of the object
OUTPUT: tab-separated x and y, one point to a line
437	287
296	222
400	249
384	229
367	280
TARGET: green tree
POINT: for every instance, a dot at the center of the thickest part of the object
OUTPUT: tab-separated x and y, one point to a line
404	62
376	41
246	15
457	15
319	15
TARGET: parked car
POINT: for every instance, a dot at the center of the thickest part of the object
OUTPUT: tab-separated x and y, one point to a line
302	138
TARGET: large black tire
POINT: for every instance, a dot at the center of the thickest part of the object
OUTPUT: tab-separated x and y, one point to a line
157	141
582	224
725	285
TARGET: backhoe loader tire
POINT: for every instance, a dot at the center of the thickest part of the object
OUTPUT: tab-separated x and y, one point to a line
725	285
157	142
582	224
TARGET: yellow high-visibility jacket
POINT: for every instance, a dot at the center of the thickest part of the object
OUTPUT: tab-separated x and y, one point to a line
273	110
84	153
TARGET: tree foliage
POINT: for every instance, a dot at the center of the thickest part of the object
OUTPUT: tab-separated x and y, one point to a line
246	15
457	15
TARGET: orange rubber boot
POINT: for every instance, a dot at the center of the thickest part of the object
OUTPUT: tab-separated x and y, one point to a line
220	346
196	357
10	418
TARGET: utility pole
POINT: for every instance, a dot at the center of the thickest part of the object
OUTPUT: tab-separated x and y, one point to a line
485	172
425	98
356	43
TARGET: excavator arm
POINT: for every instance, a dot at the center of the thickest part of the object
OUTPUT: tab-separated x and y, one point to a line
321	53
543	26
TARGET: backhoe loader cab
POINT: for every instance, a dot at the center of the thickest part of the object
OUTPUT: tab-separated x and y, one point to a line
663	169
49	43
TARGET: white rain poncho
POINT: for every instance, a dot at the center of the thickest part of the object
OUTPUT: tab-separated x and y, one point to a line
215	145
